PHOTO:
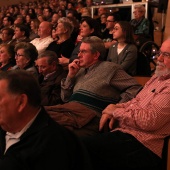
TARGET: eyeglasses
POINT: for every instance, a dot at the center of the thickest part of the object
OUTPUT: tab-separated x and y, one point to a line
84	51
19	55
164	54
109	21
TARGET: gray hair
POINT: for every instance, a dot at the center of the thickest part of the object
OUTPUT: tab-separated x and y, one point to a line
140	8
96	45
51	55
67	24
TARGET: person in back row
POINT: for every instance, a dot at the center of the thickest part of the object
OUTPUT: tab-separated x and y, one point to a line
136	143
29	138
95	83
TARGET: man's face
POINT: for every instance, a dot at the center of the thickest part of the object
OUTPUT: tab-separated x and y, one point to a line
163	60
44	30
43	67
110	23
5	22
5	36
9	104
86	57
18	33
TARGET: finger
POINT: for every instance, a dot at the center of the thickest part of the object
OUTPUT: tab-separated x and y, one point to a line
102	122
111	123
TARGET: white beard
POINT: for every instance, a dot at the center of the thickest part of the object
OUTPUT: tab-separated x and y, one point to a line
161	69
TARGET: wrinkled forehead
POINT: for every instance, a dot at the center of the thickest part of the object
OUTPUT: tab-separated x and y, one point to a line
165	47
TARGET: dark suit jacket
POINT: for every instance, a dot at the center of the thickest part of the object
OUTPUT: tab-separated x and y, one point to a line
44	146
51	88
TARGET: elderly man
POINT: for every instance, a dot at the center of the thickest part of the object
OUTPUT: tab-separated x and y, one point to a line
143	123
50	82
94	83
29	138
44	31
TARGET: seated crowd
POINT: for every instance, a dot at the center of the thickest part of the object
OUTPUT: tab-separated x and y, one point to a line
75	74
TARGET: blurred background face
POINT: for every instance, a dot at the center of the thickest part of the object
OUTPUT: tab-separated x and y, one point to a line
110	22
4	55
85	30
18	33
138	14
103	19
21	60
55	18
5	36
60	29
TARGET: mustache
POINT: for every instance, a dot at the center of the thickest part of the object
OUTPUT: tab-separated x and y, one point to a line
160	64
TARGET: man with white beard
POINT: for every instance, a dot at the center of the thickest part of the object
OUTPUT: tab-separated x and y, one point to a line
137	141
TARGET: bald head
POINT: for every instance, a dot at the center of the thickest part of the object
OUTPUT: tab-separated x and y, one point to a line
44	29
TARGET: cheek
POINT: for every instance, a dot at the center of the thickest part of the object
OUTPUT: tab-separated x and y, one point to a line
167	63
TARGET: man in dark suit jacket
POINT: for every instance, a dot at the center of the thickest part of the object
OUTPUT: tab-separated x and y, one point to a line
51	74
29	138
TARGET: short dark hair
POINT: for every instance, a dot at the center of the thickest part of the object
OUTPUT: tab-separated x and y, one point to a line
24	28
23	82
10	31
30	50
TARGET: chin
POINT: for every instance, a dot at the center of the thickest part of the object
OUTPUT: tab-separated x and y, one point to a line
161	72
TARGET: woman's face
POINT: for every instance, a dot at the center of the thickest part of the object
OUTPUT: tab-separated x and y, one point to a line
21	60
117	32
4	56
85	30
60	29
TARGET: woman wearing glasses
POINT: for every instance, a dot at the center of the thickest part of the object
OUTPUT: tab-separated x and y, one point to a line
25	56
124	52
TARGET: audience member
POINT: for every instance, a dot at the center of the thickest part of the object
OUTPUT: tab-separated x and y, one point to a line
88	27
21	34
48	66
44	31
103	20
7	57
124	52
7	35
140	24
47	13
34	25
64	46
54	20
41	18
82	87
112	18
25	57
30	139
8	21
143	123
